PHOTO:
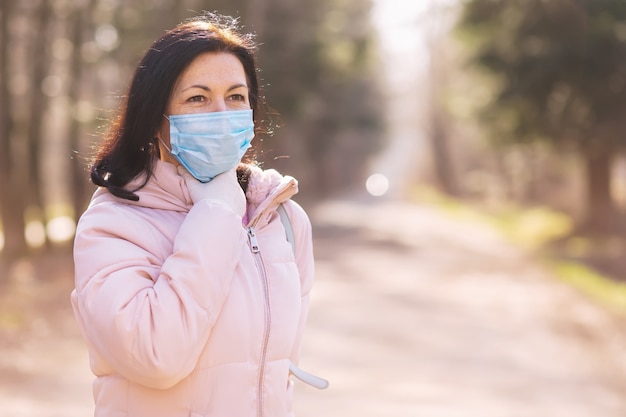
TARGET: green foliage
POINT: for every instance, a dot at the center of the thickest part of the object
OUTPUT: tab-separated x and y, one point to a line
560	66
319	67
605	291
536	229
532	228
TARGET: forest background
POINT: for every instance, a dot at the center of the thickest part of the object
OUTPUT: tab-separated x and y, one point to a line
516	107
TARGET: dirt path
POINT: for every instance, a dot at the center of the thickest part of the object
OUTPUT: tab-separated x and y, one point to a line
413	315
418	315
44	367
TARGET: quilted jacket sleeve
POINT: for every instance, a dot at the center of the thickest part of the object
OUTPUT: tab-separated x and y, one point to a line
146	317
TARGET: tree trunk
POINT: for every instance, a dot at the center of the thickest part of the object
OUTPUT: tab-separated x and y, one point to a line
442	160
79	172
443	163
40	62
601	215
11	207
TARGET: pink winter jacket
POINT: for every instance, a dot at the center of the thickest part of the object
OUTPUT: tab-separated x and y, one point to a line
182	317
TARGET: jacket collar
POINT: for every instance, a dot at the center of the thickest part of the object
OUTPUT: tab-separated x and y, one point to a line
166	190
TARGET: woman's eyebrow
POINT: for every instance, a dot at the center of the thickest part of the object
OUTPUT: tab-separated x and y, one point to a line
203	87
206	88
235	86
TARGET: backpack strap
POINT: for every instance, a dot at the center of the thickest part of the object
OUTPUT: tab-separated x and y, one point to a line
304	376
284	218
313	380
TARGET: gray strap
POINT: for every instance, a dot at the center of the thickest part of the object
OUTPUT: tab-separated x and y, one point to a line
307	378
304	376
284	218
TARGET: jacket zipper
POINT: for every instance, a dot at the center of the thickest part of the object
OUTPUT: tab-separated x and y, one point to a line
254	246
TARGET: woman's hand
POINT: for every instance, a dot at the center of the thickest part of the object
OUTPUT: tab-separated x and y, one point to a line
224	188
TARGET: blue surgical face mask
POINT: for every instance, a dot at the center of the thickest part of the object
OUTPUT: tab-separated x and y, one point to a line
208	144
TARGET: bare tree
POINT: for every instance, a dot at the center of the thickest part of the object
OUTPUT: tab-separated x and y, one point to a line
81	24
11	205
438	24
40	62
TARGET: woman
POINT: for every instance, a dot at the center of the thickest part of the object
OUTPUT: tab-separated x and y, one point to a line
190	297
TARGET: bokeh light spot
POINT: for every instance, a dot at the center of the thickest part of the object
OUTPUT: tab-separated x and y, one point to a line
107	37
377	185
52	85
35	234
61	229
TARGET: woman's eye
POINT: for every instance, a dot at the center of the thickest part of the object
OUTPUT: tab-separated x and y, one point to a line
196	98
238	97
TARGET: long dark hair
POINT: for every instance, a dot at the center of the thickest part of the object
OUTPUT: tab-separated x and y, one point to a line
130	146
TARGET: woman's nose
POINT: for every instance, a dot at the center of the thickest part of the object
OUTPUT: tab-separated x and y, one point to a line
217	105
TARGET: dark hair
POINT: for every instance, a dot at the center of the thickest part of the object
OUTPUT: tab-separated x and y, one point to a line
130	145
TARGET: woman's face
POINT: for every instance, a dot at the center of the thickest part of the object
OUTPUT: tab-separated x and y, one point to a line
214	81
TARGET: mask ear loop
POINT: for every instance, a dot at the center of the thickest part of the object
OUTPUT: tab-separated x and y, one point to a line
161	140
165	146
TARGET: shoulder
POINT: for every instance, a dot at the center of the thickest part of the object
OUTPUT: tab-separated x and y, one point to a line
300	223
108	215
297	214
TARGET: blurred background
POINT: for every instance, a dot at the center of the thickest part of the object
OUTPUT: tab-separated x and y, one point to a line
510	114
502	104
